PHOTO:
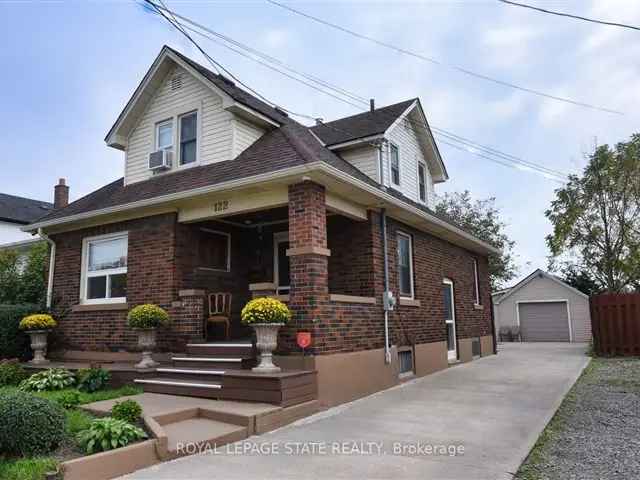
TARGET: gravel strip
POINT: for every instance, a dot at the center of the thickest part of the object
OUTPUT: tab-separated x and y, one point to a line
596	432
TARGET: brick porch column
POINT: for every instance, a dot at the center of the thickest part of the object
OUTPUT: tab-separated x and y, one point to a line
308	256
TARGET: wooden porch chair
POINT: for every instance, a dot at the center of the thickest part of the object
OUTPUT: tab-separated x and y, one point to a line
220	310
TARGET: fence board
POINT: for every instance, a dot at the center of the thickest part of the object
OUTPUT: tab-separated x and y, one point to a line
615	324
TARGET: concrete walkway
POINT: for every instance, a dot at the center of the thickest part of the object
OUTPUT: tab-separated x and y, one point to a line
473	421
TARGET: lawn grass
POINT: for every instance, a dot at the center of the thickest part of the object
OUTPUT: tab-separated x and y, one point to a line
76	421
85	397
26	468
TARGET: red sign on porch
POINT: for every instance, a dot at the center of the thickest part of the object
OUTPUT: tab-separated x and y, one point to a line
303	339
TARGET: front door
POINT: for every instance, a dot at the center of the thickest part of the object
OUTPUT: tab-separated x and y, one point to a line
450	318
281	262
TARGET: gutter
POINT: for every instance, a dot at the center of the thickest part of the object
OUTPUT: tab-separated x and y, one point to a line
52	264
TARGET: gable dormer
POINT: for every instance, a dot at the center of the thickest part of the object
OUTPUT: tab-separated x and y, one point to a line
192	115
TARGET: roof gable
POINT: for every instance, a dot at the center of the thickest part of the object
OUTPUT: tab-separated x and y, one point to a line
538	274
234	99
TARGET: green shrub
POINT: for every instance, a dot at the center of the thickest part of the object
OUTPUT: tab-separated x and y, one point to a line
29	425
77	421
68	399
11	373
127	410
93	379
147	316
46	380
13	342
108	433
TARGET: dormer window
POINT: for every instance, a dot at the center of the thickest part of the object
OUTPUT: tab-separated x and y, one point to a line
422	182
395	164
164	135
188	137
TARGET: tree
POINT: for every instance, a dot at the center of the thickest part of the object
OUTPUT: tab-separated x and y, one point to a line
481	218
22	275
580	279
596	220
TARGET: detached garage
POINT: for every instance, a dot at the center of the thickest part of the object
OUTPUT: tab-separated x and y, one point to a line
544	309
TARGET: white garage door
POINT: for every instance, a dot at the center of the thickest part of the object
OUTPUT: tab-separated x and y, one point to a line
544	322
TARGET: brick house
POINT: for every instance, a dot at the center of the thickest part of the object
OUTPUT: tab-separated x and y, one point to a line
224	193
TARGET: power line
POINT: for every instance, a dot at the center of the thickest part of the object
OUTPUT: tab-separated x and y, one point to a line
467	145
562	14
441	63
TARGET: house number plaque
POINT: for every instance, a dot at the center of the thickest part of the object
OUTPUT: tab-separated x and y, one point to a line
221	206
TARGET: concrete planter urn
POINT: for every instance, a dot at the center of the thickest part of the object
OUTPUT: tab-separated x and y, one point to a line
147	343
266	342
39	346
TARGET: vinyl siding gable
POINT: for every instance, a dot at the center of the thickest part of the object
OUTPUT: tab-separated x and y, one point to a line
364	159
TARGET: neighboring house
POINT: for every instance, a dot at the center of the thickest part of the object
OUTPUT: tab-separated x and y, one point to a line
15	213
224	193
545	308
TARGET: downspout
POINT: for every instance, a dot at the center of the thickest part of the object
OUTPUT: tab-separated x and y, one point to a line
386	296
52	263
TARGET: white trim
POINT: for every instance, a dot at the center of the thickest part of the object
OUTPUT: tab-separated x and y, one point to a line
476	282
207	359
85	274
350	143
556	300
225	234
175	383
158	125
452	355
410	238
531	277
278	238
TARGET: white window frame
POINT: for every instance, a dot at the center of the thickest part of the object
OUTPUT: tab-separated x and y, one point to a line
278	238
225	234
391	182
173	135
452	355
85	274
476	282
426	190
410	238
195	111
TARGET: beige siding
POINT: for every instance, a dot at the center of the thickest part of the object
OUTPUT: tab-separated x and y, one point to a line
215	140
363	158
547	289
405	137
244	135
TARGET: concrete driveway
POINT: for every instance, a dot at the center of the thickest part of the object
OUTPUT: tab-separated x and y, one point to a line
473	421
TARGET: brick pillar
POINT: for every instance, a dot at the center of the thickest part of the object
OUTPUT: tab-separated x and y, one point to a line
308	256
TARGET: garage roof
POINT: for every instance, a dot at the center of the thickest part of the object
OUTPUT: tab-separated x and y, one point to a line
537	273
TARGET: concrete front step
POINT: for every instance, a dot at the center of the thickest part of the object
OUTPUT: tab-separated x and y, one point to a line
201	435
236	362
222	349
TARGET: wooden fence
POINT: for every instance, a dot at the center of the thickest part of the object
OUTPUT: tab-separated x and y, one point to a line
615	323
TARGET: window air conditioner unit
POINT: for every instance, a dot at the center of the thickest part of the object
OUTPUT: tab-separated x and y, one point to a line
160	160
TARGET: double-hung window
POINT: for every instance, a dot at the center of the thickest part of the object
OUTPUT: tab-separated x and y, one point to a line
164	135
394	155
476	281
105	269
405	265
188	137
422	182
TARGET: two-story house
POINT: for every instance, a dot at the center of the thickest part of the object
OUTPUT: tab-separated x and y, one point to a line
224	193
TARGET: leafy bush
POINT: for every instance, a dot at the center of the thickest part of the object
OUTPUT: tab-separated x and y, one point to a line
29	425
108	433
51	379
11	373
147	316
14	343
93	379
23	281
127	410
37	321
77	421
68	399
265	310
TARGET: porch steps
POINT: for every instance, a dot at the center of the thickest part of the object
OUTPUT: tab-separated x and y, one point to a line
172	386
191	373
216	363
221	349
200	434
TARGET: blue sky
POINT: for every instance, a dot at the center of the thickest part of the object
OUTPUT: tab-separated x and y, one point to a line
69	67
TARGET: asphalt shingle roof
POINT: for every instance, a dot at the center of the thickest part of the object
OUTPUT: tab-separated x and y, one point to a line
361	125
22	210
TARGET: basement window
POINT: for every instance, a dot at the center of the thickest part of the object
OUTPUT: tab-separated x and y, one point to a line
104	271
405	360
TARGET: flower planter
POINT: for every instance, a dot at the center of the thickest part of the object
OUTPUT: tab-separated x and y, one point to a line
147	343
266	341
39	346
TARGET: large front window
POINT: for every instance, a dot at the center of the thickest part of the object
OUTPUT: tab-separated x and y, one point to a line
215	250
105	269
405	265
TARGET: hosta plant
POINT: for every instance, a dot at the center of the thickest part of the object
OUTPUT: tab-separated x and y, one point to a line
147	316
38	321
93	379
108	433
51	379
127	410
